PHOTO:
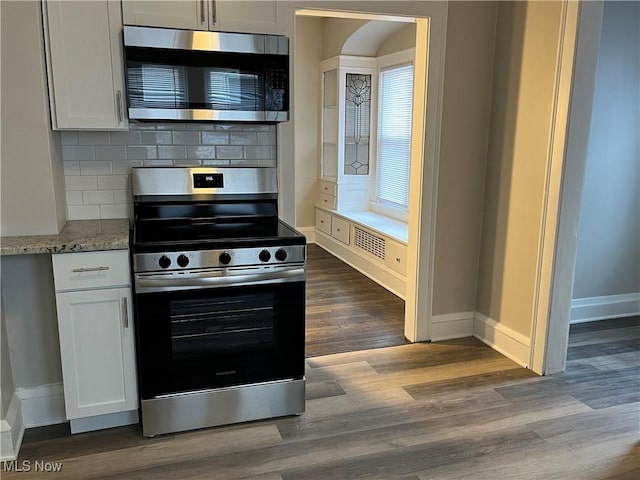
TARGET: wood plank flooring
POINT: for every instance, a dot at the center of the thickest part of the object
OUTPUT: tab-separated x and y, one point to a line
347	311
447	410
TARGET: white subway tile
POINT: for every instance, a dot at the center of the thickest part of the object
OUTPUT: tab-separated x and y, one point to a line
263	153
186	138
124	168
158	163
268	138
244	163
172	152
156	138
74	152
122	196
97	197
267	163
95	168
228	152
124	138
111	153
201	127
77	182
215	138
215	163
201	151
122	210
170	126
256	127
142	126
113	182
69	138
74	197
71	168
243	138
142	152
187	163
85	212
93	138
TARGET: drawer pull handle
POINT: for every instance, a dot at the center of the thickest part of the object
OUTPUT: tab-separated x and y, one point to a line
337	229
326	188
90	269
398	259
125	312
321	221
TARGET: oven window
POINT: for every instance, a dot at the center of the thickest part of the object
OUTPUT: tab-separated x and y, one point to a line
229	323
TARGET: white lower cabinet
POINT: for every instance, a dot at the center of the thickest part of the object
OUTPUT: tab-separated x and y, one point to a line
96	330
340	229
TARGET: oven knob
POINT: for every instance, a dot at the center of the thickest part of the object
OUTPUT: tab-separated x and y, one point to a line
183	260
164	261
281	254
224	258
264	256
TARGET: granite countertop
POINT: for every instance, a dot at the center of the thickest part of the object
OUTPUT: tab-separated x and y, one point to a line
76	236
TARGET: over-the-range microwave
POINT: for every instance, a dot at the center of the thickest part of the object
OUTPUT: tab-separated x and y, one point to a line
186	75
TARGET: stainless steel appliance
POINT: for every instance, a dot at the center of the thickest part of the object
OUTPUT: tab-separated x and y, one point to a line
219	286
193	75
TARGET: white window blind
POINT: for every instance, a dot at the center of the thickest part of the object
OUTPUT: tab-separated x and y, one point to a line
394	135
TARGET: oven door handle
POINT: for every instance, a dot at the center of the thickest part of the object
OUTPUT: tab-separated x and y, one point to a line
158	282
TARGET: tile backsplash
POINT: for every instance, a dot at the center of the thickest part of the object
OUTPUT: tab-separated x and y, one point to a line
97	165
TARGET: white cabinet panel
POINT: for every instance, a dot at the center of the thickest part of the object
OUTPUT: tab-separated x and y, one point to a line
85	64
396	256
97	351
340	229
328	201
90	270
258	16
188	14
323	221
328	188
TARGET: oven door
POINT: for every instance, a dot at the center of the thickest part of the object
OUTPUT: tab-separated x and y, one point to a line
204	330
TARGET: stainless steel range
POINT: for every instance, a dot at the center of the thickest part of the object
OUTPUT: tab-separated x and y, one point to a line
219	298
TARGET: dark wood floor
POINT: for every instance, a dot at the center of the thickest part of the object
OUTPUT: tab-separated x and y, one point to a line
446	410
347	311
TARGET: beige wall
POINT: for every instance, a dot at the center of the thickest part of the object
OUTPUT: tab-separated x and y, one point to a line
465	120
32	183
336	31
306	103
527	39
403	39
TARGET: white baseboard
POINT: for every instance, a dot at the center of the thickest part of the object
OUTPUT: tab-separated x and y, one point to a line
100	422
600	308
309	232
43	405
11	431
452	325
508	342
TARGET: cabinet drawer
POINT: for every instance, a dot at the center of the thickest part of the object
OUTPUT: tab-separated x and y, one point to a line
328	201
323	221
340	229
328	188
396	256
84	270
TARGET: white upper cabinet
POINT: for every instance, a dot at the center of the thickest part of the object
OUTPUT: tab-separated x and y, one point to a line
85	64
257	16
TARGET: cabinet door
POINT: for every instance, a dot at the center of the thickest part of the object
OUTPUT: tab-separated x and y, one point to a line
323	221
340	229
396	256
85	64
189	14
97	351
252	16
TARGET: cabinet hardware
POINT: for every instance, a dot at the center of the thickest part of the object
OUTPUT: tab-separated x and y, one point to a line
125	312
321	221
90	269
398	259
213	13
119	105
202	8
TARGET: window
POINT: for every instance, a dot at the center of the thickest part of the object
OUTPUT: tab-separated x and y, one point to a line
394	136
